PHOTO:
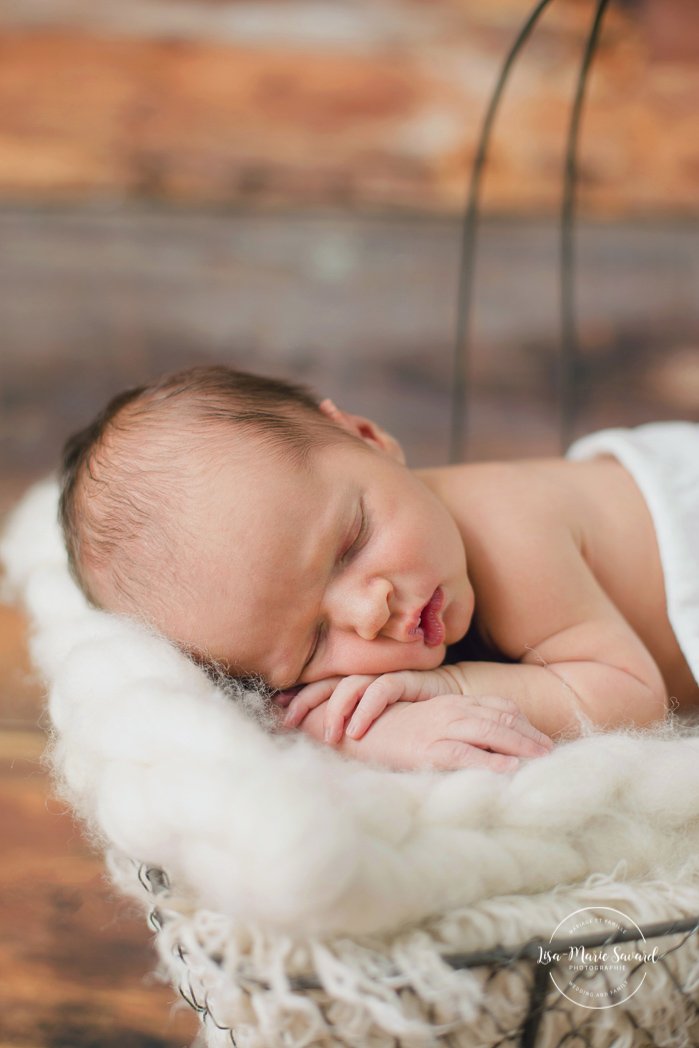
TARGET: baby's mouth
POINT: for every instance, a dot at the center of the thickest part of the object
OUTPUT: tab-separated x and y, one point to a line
430	625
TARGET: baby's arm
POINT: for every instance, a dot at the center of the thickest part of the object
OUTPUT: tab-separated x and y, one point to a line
578	657
556	698
560	696
557	693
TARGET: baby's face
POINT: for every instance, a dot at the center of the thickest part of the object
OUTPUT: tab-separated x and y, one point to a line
351	565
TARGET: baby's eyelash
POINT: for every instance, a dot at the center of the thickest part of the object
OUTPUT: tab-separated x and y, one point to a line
354	547
314	649
360	538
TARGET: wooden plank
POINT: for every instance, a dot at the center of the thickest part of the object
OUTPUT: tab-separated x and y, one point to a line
283	123
74	959
21	692
21	745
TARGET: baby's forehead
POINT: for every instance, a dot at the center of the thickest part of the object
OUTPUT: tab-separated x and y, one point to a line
258	561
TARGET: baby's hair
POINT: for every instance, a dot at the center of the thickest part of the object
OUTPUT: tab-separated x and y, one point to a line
119	490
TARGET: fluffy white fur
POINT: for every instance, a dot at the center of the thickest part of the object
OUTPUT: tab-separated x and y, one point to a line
277	850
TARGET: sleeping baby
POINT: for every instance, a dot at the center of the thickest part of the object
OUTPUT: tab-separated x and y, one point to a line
443	617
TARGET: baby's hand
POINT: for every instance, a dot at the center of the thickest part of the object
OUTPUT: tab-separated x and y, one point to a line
364	698
446	732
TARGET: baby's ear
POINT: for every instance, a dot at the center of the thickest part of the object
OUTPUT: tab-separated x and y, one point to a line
363	427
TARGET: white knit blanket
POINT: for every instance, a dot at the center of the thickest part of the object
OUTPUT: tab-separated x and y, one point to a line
286	842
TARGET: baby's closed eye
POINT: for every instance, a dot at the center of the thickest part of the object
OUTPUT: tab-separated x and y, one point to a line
360	533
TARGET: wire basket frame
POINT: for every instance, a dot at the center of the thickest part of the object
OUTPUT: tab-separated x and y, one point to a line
568	363
525	1000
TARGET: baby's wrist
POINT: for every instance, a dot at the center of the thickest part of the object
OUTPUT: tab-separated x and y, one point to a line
455	680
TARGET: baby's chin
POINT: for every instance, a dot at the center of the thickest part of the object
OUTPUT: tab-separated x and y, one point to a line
428	658
416	657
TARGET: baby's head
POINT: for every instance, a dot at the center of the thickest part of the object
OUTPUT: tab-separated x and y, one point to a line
262	529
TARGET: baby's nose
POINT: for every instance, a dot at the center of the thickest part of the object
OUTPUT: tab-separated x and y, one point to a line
372	611
398	628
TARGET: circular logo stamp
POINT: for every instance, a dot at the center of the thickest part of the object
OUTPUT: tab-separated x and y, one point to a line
591	972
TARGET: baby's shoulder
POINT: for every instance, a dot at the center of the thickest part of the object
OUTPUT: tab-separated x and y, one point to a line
492	496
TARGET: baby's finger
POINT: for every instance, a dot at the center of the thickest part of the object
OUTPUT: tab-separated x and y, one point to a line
491	732
308	698
373	702
342	702
448	755
517	718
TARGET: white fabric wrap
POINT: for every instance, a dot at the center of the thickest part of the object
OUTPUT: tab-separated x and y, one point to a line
663	459
285	859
